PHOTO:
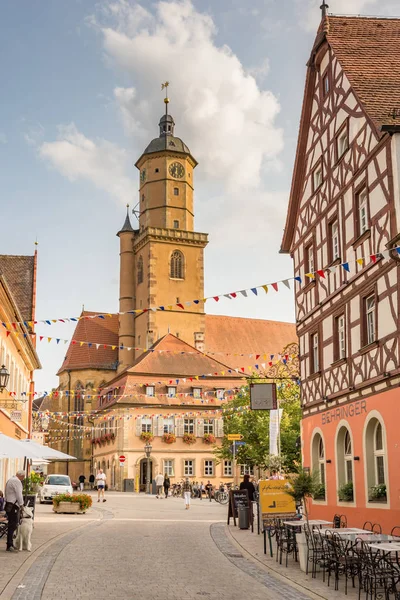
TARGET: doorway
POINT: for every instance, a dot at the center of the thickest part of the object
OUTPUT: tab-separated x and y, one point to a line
143	474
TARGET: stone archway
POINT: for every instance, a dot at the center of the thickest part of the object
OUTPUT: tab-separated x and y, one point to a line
141	471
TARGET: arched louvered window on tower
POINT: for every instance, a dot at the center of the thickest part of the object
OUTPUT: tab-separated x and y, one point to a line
140	270
177	265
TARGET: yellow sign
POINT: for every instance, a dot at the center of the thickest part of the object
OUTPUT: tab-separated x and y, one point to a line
274	498
234	437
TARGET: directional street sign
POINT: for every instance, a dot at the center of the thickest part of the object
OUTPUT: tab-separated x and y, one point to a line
239	444
232	437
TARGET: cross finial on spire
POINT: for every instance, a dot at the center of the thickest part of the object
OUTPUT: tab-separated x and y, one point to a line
166	99
324	7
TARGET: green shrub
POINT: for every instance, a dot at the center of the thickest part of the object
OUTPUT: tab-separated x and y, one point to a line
378	492
346	492
85	501
319	492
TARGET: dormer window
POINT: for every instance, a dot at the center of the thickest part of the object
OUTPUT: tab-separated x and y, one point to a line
171	391
219	392
196	392
150	390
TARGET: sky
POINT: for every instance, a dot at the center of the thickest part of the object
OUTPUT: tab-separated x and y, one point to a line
81	99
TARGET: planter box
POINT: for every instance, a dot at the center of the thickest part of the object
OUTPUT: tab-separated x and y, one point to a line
69	508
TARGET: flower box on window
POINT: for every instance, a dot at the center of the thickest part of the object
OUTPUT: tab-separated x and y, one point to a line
169	438
189	438
146	436
377	493
209	438
346	492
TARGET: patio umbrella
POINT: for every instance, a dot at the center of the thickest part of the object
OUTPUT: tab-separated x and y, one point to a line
45	451
12	448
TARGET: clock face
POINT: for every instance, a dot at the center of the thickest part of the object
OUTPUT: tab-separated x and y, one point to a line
143	175
176	170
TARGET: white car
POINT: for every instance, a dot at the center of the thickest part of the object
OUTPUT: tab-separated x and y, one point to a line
55	484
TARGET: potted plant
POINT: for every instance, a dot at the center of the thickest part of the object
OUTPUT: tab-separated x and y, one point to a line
169	438
189	438
209	438
303	487
146	436
378	493
72	503
319	493
346	492
32	483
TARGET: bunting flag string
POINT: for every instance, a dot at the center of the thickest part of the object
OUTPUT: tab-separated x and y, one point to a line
276	285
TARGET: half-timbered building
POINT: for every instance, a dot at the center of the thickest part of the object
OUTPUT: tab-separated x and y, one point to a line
342	229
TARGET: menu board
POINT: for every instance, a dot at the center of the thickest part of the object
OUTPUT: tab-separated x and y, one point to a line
239	498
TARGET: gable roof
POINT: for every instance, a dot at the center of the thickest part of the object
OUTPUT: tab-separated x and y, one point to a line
18	272
368	50
173	356
237	336
98	331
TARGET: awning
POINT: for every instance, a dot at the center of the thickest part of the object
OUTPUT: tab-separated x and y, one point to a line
12	448
46	452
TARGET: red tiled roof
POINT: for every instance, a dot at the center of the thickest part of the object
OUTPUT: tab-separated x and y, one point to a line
368	50
172	356
238	335
98	331
18	272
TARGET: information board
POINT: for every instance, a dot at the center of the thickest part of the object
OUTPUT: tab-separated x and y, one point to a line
239	498
275	502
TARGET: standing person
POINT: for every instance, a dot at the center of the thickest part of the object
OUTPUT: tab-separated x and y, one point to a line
187	492
159	484
101	484
14	502
167	484
247	485
201	490
91	481
2	501
209	489
82	479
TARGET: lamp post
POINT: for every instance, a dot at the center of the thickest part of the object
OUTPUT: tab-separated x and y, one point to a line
147	450
4	377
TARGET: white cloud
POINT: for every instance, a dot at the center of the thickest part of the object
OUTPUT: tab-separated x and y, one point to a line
219	108
102	163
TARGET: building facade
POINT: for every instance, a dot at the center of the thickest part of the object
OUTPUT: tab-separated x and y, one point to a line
17	350
164	351
342	226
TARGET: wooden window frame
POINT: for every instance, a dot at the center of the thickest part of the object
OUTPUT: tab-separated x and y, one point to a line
365	343
189	426
210	425
331	258
326	75
313	370
344	127
307	253
356	208
317	166
336	337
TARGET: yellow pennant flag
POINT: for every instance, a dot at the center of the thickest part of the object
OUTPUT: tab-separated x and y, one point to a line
113	347
81	344
265	287
196	377
310	275
49	340
360	261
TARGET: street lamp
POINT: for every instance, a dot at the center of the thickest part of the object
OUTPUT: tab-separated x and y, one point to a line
147	450
4	377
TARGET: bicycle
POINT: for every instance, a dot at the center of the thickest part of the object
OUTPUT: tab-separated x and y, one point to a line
221	497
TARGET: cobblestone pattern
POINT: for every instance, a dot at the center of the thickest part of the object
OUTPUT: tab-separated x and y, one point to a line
276	587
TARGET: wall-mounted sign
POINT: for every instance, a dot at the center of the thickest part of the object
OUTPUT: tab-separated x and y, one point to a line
344	412
16	416
263	396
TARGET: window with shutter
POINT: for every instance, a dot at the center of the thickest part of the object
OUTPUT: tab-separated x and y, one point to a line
146	424
138	426
179	423
200	427
219	428
169	425
160	426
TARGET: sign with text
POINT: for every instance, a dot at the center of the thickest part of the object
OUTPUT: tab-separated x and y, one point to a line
263	396
234	437
38	436
275	502
239	498
16	416
344	412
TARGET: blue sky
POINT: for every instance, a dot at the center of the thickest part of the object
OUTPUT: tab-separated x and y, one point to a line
80	101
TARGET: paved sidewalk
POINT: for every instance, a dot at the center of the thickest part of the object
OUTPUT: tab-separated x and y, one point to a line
252	545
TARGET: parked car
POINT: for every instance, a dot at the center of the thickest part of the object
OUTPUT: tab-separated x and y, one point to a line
53	485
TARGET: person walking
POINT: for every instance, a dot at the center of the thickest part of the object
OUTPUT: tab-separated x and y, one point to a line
14	502
187	492
246	484
91	481
167	484
159	485
101	484
209	489
82	479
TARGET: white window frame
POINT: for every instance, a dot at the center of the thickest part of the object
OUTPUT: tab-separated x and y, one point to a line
315	352
341	336
169	467
363	211
171	391
188	426
246	470
208	468
310	258
317	177
168	425
342	143
379	453
228	468
188	467
150	391
335	241
321	460
146	425
370	318
196	392
209	426
325	84
219	392
348	457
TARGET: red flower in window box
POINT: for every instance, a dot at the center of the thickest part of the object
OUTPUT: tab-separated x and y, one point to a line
189	438
209	438
169	438
146	436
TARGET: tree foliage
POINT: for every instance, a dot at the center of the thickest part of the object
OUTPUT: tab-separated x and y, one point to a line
254	425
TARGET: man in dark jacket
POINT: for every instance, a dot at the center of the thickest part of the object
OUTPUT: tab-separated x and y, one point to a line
247	485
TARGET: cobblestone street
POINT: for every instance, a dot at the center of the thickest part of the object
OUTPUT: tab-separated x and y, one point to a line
133	547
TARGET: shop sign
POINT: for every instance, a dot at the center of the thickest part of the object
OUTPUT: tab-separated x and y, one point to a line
355	409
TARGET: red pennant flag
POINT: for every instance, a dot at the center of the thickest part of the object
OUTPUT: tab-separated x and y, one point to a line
233	295
181	306
275	286
73	341
257	356
8	333
216	298
373	258
321	273
242	369
270	364
41	337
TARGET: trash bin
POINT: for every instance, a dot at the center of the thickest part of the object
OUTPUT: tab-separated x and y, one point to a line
129	485
243	512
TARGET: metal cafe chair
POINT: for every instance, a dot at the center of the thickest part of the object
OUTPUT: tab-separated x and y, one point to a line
368	526
376	528
395	531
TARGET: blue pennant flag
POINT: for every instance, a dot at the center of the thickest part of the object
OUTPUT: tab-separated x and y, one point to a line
346	267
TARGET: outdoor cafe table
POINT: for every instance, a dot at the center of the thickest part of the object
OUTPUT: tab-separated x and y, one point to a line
311	522
386	547
347	531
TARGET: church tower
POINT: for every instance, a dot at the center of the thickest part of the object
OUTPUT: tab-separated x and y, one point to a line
168	254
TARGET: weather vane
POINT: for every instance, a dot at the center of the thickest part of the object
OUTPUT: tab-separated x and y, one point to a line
165	86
